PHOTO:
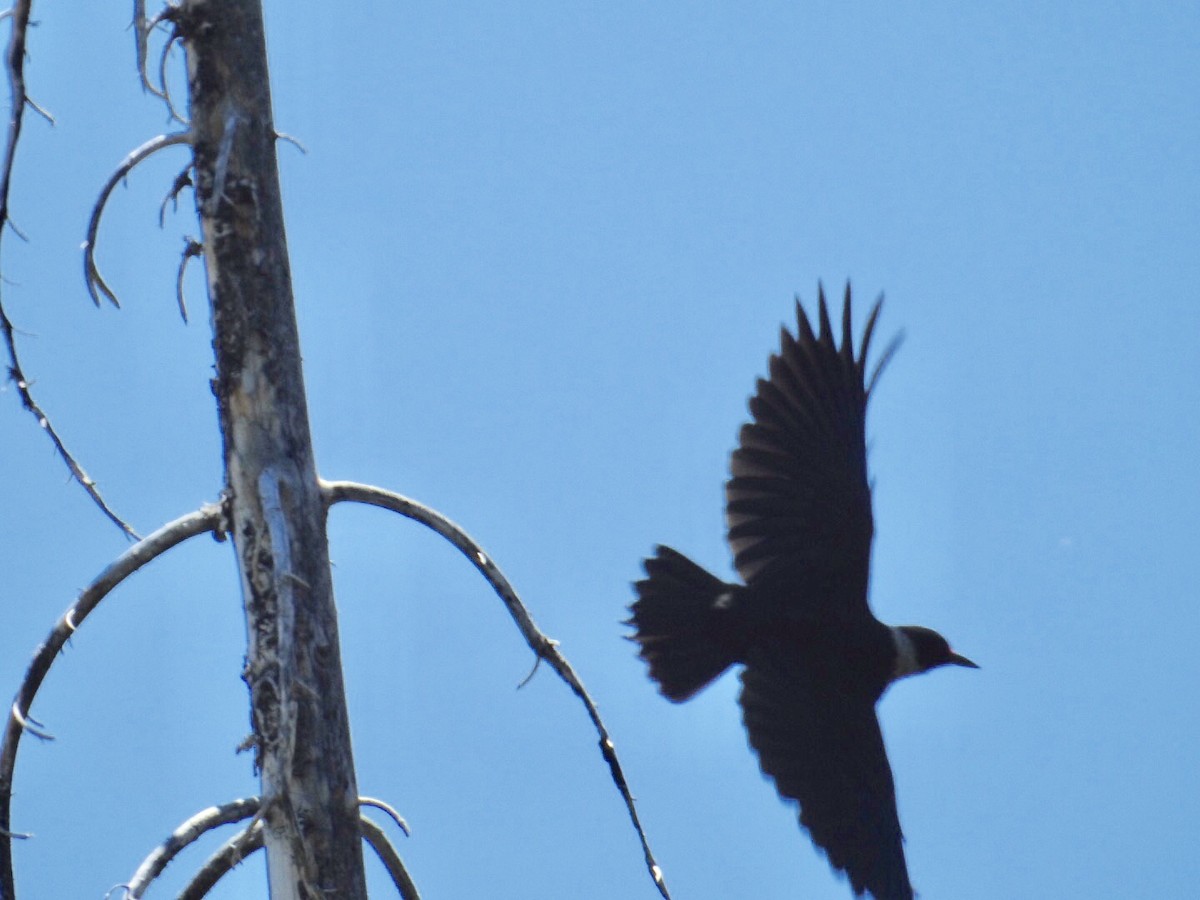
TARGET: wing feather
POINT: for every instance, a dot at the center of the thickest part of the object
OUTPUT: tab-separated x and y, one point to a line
819	741
798	502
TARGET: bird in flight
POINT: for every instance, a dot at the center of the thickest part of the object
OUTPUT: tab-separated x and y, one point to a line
815	659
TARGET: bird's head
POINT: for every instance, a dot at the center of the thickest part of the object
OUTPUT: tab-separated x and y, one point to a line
921	649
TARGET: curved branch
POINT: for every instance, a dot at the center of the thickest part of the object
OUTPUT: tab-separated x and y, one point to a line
190	249
378	839
389	810
142	29
544	647
245	843
283	136
192	829
91	275
141	33
241	846
162	79
15	64
208	518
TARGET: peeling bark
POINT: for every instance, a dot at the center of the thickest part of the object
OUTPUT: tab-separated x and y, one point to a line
293	665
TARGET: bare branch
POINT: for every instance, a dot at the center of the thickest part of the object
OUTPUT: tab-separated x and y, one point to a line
17	376
241	846
141	35
40	110
91	275
182	180
250	840
142	29
30	724
375	836
208	518
166	85
389	809
282	136
246	842
191	248
187	833
545	648
15	65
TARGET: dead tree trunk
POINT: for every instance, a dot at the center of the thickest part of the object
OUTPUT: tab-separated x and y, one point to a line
275	510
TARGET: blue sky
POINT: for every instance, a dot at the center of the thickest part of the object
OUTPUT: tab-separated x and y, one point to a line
540	255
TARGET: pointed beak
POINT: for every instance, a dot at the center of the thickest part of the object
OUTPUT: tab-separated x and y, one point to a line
956	660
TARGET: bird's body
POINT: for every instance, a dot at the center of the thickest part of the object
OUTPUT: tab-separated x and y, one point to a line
815	659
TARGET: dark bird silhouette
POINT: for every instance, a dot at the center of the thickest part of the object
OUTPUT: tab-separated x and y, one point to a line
816	660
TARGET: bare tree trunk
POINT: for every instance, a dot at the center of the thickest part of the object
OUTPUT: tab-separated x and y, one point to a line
276	514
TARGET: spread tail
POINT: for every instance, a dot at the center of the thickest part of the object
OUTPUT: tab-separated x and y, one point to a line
684	622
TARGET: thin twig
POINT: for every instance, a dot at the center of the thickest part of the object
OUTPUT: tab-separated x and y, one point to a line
208	518
191	248
186	834
141	35
384	849
17	376
166	84
295	142
544	647
182	180
40	110
142	29
91	275
389	809
29	724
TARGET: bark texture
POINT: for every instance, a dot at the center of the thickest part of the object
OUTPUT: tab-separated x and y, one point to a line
275	510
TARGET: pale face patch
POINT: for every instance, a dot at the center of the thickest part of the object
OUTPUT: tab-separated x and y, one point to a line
906	654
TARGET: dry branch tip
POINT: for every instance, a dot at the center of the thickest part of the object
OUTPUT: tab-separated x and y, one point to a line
182	180
390	810
23	385
289	139
142	28
95	282
40	110
191	249
29	724
537	661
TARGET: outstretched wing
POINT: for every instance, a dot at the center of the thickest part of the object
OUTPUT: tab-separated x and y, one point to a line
798	504
821	745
